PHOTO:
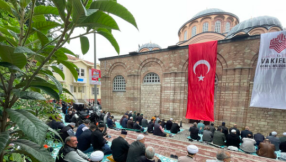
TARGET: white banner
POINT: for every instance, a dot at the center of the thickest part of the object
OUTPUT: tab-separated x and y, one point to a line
269	87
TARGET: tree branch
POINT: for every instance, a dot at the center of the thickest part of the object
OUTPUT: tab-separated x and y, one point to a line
30	23
2	81
82	35
21	22
7	40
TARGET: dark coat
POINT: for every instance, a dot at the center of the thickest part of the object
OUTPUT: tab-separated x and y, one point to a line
56	125
124	123
212	129
119	149
275	141
175	128
224	130
194	132
144	159
129	115
163	123
97	140
144	123
130	124
68	118
282	146
237	131
219	138
79	130
136	150
84	140
258	138
110	123
136	126
266	149
245	133
134	116
157	131
233	140
66	131
169	125
207	136
150	127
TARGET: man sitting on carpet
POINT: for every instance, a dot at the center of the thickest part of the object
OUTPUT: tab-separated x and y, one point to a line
169	124
245	132
96	156
233	139
158	130
192	150
258	137
70	153
175	127
266	149
283	138
98	141
194	132
68	117
120	147
151	126
110	122
67	131
145	122
221	156
82	127
137	126
219	137
56	123
201	127
124	121
84	140
224	129
235	128
212	128
274	140
149	155
130	123
136	149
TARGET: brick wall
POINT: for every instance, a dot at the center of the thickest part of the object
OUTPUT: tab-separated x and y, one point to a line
150	99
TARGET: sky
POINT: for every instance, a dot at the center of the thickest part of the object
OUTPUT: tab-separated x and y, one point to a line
158	22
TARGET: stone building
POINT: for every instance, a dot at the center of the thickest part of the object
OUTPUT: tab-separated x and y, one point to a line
154	81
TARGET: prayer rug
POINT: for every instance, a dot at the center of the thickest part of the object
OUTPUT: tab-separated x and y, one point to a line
120	127
169	132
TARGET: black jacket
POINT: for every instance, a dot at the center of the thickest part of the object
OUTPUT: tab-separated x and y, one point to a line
119	149
65	132
144	123
97	140
245	133
63	151
136	150
139	118
258	137
282	146
224	130
175	128
237	131
233	140
56	125
169	125
163	123
212	129
84	140
136	126
150	127
130	124
194	132
68	118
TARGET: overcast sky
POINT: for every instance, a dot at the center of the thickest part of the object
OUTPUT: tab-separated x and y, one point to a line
159	21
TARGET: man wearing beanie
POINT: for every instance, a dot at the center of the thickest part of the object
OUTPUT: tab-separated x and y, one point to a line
136	149
96	156
274	140
120	147
192	150
98	141
67	131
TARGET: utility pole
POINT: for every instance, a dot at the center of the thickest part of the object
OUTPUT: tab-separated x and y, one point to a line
95	86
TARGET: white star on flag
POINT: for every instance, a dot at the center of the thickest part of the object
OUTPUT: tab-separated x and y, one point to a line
201	78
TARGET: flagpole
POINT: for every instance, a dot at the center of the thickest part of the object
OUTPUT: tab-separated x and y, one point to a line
95	86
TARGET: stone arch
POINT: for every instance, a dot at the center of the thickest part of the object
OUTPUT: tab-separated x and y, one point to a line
257	31
274	29
240	33
253	64
204	37
143	63
114	65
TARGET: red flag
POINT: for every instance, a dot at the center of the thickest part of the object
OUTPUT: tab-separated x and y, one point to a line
202	66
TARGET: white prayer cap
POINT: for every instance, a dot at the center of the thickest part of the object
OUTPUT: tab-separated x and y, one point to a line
131	117
171	118
192	149
96	156
84	128
72	124
284	134
273	133
233	131
140	137
130	111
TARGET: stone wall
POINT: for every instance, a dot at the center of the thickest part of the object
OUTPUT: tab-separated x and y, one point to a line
150	99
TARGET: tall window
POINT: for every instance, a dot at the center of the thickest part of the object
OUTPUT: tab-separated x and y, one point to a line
206	27
151	78
74	89
218	26
80	72
227	27
119	83
60	66
194	31
185	35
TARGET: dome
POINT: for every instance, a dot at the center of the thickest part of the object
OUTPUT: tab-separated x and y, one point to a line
247	25
149	46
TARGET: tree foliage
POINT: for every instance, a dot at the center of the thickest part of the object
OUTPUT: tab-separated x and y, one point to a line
28	47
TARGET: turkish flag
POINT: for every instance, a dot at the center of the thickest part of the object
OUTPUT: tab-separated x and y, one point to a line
201	81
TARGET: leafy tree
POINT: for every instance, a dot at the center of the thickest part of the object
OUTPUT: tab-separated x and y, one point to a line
26	53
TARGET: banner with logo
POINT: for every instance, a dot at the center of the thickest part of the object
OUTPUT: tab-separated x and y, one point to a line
269	87
95	77
201	81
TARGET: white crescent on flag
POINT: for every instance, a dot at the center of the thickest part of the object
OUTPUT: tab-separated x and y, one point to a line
202	62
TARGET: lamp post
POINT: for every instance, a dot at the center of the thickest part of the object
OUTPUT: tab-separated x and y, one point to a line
95	86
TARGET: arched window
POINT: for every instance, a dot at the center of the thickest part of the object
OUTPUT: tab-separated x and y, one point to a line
218	26
206	27
151	78
194	31
227	27
119	83
185	35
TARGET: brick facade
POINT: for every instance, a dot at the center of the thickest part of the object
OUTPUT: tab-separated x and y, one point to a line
235	69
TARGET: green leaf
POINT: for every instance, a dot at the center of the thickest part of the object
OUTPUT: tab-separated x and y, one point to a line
41	10
42	37
24	3
45	25
7	55
21	49
10	66
57	83
109	37
99	19
88	4
38	18
36	152
59	54
31	126
49	91
55	132
46	72
78	12
38	82
4	6
60	4
71	67
84	44
59	71
67	91
29	95
4	139
67	51
114	8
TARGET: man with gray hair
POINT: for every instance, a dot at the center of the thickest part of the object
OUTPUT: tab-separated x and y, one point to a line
136	149
221	156
274	140
149	155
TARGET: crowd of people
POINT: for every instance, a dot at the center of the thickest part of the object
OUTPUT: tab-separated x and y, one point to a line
233	139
